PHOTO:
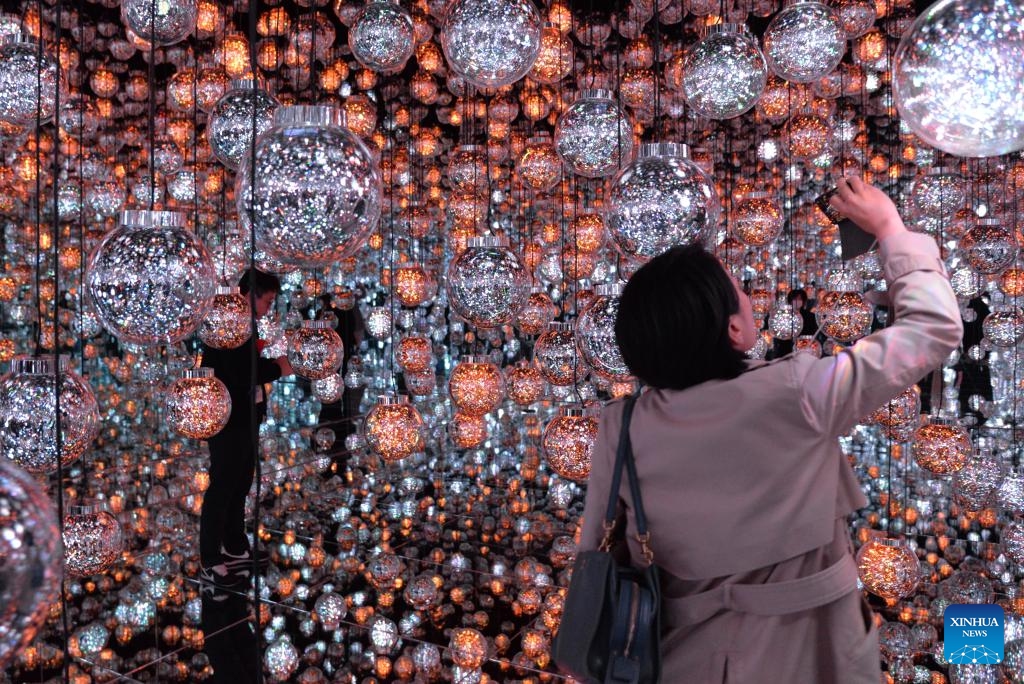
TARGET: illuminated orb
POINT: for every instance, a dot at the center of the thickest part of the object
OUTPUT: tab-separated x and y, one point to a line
491	43
888	568
476	386
568	443
198	404
941	446
393	428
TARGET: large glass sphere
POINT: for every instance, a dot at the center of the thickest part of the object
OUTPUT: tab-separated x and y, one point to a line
150	279
228	324
725	73
804	42
555	57
92	540
393	428
467	431
556	358
757	219
568	443
939	193
198	404
382	37
315	350
888	568
539	165
899	413
594	137
28	414
28	82
957	74
412	285
319	192
524	383
1004	327
230	131
536	313
491	43
988	247
847	317
941	446
487	284
476	386
30	559
661	200
595	334
163	22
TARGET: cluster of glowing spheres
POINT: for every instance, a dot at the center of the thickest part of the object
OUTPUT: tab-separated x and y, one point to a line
229	322
319	192
163	22
568	443
151	280
230	128
487	284
956	77
476	386
382	37
491	43
28	82
888	568
198	404
93	540
725	73
804	42
661	200
393	428
28	414
315	350
595	334
30	559
941	446
594	137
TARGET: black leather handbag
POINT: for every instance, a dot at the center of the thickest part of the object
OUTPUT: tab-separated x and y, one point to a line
611	623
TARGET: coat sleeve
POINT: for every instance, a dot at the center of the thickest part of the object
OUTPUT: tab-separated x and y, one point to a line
838	392
596	502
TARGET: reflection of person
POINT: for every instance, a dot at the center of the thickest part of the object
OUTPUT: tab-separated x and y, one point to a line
341	415
224	549
743	481
797	298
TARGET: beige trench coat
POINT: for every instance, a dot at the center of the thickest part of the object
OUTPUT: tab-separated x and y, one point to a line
744	484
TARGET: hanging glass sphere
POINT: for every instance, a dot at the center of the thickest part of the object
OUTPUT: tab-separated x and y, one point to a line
382	37
198	404
281	659
535	315
956	77
491	43
555	356
1004	327
524	383
315	350
888	568
105	197
487	284
150	279
806	344
476	386
379	322
594	137
757	219
330	609
661	200
28	82
329	390
467	170
415	354
420	384
539	165
160	21
92	540
785	322
941	446
804	42
230	131
28	414
412	285
939	193
555	57
568	442
988	247
228	324
319	192
856	16
595	334
725	73
898	413
974	484
842	312
467	431
393	428
467	648
30	559
809	135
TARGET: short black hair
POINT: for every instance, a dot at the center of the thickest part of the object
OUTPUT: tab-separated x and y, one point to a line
262	282
673	321
793	294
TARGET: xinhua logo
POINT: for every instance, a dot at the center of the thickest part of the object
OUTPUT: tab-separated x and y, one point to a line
973	634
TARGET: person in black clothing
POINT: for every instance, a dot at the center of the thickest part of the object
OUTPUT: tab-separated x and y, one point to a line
341	415
224	549
798	300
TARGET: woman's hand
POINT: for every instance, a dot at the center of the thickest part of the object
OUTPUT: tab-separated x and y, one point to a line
868	207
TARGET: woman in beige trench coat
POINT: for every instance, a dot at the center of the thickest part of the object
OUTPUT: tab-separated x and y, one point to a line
746	491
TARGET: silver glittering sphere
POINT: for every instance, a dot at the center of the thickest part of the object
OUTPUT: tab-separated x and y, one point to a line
230	130
661	200
163	22
939	193
330	609
28	82
228	324
30	559
784	322
315	350
487	284
594	137
491	43
281	660
989	247
28	414
92	540
957	75
329	390
150	279
379	322
595	334
804	42
319	192
382	37
1004	327
724	74
198	404
556	358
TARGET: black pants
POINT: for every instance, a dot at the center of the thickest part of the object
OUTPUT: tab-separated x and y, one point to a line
231	644
222	520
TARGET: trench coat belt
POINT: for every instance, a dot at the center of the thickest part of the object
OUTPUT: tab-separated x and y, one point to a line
773	598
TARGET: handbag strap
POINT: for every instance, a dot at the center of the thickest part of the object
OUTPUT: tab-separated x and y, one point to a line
624	458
